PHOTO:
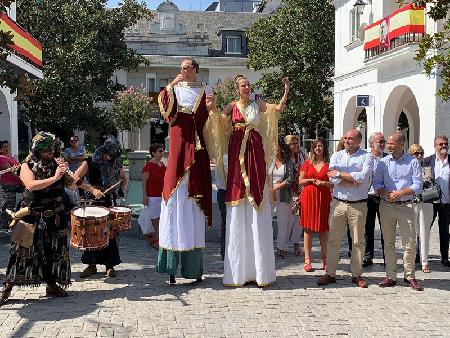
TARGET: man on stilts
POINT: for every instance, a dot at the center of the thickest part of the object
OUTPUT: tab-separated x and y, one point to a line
187	183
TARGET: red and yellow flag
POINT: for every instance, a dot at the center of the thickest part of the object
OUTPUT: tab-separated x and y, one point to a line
408	19
24	43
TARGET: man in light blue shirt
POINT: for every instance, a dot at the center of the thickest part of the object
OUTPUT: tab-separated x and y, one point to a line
397	179
350	173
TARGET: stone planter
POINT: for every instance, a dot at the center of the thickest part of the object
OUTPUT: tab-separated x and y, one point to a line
136	160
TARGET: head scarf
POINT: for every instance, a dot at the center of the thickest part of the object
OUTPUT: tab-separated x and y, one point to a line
42	141
110	147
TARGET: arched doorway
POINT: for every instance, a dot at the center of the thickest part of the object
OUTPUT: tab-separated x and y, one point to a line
355	118
401	113
361	125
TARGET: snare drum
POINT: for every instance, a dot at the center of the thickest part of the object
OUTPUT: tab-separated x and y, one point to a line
89	228
121	217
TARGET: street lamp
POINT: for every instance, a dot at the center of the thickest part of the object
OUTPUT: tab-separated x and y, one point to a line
359	5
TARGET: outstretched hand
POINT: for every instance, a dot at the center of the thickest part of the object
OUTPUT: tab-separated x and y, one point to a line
210	102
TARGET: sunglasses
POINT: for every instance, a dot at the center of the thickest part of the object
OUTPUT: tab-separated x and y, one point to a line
417	153
442	144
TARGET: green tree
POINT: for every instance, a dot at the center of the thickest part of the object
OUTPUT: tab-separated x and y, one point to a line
225	93
434	50
298	42
83	44
131	109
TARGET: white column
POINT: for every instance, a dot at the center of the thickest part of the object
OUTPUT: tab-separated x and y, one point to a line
13	125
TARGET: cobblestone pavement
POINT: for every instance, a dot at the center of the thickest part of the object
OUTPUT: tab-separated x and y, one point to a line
140	303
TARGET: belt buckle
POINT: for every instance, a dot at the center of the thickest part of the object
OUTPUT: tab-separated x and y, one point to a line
47	213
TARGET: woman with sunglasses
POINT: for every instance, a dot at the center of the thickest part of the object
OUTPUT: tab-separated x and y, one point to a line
152	188
423	211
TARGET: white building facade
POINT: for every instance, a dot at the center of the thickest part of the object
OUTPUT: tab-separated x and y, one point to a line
374	62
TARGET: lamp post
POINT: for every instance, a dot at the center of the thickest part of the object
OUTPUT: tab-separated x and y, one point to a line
359	5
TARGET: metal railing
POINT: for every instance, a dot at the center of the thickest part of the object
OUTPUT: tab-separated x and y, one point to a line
394	43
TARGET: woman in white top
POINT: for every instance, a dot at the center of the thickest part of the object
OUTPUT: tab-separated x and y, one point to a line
282	177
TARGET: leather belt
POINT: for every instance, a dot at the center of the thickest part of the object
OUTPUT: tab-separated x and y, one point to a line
47	213
398	202
350	202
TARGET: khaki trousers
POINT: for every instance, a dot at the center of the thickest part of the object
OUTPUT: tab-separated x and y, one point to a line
403	215
353	214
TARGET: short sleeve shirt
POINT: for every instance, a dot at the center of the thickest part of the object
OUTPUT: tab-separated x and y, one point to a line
72	153
155	180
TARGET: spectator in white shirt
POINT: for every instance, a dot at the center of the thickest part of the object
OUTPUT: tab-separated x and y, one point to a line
439	163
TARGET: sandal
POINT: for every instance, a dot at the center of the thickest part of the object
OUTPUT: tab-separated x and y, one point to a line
307	266
426	268
297	250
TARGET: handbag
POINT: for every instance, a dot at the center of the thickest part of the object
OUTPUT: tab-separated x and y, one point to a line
23	233
431	192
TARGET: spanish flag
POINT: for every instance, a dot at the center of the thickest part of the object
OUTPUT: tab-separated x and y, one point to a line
408	19
24	43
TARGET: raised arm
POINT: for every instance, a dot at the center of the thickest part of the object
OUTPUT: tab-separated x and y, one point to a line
282	104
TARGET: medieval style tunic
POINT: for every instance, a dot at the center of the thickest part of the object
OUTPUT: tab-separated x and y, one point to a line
47	260
187	183
249	252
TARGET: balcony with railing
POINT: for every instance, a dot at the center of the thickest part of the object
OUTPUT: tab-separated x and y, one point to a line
24	45
403	27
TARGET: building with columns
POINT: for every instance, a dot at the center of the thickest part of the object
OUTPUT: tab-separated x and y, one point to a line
25	57
378	86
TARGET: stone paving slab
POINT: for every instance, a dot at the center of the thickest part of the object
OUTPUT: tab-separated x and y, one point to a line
140	303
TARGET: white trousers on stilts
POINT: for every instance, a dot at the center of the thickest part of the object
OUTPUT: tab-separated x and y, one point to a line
249	252
182	222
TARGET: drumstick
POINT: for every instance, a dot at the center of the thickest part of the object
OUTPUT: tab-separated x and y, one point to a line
112	187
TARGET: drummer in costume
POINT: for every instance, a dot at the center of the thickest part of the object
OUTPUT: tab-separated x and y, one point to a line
187	187
46	257
103	171
252	128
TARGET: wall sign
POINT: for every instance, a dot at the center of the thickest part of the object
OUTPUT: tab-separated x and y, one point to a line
362	100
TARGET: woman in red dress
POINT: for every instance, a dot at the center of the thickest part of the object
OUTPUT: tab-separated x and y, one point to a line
152	188
315	200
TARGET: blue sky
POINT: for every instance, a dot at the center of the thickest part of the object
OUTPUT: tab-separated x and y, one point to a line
184	5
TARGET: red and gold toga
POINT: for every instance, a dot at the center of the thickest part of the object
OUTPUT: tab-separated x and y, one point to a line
186	204
249	237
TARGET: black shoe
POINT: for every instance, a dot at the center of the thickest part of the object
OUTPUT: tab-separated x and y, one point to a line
199	280
445	262
172	279
366	262
5	293
349	253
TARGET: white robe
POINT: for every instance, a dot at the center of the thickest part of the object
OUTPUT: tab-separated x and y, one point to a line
182	223
249	255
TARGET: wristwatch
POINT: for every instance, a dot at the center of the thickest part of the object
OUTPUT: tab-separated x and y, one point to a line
338	174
